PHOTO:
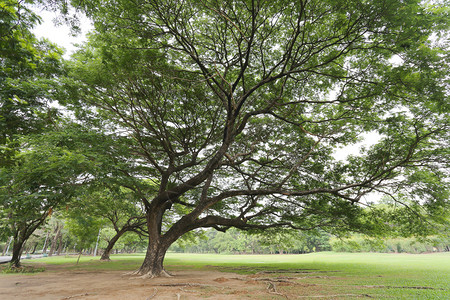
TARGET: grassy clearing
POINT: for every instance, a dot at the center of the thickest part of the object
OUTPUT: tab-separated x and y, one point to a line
397	276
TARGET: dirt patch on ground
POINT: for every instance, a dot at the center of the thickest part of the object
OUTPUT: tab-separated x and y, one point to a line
66	284
60	283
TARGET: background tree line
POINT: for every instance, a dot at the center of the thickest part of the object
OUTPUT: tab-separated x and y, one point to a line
58	237
62	236
238	242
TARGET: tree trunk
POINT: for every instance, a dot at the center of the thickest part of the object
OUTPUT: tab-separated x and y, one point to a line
16	253
44	249
157	244
55	239
4	249
58	251
112	242
154	258
34	248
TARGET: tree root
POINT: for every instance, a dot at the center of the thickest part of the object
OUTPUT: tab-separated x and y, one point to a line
274	279
272	288
187	291
153	295
145	276
164	273
302	271
148	275
183	284
132	273
75	296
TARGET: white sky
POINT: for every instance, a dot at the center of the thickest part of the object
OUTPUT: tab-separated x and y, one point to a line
60	34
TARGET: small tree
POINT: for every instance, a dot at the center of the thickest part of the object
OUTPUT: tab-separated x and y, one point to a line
117	207
85	229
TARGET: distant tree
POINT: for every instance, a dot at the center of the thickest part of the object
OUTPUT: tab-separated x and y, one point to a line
55	241
236	107
84	228
117	207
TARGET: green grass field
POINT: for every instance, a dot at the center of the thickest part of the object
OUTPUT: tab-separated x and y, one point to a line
393	276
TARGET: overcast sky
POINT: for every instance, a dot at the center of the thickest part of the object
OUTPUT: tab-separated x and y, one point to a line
60	34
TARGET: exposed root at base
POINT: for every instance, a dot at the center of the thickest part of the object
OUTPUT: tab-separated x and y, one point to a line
75	296
154	294
164	273
132	273
272	288
183	284
148	275
145	276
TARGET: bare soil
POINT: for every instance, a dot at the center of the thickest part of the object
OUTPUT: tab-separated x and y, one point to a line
60	283
57	283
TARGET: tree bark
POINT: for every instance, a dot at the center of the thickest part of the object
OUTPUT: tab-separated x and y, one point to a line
154	258
34	248
44	249
58	251
16	252
112	242
55	239
157	245
6	247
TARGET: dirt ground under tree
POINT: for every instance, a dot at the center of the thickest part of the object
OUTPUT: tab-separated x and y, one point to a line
59	283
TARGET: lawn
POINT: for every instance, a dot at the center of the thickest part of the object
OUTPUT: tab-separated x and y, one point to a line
402	276
325	275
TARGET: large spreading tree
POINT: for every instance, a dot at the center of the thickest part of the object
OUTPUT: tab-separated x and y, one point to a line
236	108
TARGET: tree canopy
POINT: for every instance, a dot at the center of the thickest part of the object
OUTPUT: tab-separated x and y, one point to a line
27	66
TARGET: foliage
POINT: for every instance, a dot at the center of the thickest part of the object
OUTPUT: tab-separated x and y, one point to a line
46	172
27	69
241	242
234	109
50	169
391	245
85	229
